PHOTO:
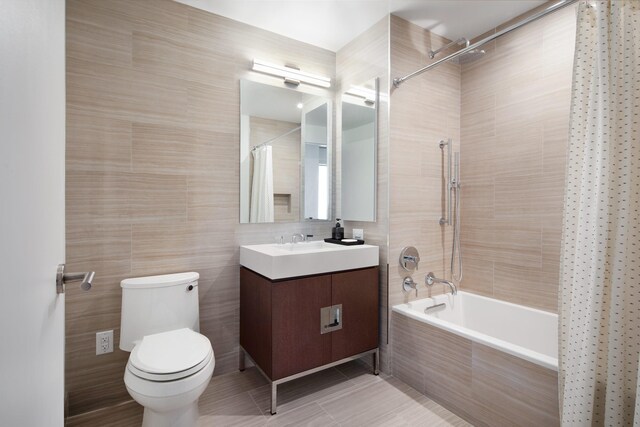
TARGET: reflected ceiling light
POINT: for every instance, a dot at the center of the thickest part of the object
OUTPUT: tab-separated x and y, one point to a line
290	75
369	95
300	105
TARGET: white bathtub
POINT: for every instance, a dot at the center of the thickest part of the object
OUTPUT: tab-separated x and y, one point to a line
515	329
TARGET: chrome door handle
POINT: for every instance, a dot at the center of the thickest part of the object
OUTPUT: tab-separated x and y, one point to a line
63	278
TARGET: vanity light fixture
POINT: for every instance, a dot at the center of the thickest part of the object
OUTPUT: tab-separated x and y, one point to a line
290	75
368	95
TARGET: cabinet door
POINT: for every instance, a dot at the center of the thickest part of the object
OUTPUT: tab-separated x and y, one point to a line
255	318
297	342
357	291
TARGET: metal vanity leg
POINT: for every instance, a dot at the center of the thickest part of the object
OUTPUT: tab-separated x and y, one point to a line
376	362
274	397
241	359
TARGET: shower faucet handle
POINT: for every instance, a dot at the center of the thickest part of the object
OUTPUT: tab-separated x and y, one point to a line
413	259
409	258
408	284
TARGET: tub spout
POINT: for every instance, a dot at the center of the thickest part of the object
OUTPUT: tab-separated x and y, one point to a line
430	279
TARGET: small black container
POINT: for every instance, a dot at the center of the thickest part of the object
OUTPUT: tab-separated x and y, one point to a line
337	232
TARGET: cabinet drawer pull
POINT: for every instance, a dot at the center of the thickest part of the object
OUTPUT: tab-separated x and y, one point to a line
330	318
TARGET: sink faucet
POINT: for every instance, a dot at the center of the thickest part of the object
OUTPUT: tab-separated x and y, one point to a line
430	279
297	237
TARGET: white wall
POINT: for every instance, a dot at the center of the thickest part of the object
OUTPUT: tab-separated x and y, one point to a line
32	144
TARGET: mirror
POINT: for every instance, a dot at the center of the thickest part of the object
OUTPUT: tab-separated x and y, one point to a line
285	154
359	152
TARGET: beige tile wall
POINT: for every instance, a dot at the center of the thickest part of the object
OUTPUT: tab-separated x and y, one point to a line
514	129
153	168
424	110
485	386
365	58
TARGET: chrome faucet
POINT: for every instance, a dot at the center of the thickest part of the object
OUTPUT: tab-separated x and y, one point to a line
430	279
297	237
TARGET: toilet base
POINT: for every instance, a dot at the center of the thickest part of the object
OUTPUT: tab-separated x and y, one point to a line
171	403
186	416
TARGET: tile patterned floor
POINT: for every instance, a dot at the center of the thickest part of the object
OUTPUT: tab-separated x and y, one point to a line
347	395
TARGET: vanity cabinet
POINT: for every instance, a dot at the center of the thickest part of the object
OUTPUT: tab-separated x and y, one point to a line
281	323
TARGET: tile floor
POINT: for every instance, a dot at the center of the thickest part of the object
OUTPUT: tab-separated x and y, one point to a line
348	395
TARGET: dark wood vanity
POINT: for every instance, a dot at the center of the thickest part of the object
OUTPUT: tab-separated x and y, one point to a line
296	326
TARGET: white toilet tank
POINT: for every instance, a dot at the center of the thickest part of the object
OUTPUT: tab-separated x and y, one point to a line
155	304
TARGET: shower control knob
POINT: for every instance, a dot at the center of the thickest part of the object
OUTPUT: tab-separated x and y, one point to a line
409	258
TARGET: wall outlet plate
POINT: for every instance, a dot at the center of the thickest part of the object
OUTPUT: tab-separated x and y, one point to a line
104	342
358	233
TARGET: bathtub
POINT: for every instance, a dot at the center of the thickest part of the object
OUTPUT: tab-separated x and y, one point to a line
521	331
491	362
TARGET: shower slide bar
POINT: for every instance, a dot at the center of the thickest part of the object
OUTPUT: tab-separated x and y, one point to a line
556	6
447	220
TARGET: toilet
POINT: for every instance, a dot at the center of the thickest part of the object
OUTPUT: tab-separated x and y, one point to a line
171	363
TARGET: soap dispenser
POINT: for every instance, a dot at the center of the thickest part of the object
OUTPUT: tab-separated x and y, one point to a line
337	232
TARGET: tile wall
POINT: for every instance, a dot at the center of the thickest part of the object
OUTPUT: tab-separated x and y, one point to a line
153	168
514	129
424	110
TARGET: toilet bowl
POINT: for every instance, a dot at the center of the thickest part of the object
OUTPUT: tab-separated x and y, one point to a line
166	373
170	364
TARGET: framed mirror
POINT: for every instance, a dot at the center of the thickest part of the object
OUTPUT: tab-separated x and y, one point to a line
285	154
359	152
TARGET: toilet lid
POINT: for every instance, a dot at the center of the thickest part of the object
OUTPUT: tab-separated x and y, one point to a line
170	355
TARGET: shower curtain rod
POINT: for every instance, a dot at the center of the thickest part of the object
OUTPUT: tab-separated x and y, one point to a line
559	5
276	137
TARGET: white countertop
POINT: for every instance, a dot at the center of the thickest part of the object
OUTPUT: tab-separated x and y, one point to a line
280	261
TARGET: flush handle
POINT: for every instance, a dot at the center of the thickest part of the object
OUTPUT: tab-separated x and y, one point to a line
63	278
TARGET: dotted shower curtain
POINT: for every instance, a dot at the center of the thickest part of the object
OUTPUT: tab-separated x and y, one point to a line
600	266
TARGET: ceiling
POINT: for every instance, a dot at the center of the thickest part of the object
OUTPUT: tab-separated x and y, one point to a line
331	24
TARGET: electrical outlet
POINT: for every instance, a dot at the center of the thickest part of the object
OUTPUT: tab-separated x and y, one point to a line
104	342
358	233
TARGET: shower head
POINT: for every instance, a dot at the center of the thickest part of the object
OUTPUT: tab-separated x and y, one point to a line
461	41
466	58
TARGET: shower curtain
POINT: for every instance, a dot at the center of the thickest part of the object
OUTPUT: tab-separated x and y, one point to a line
600	265
262	186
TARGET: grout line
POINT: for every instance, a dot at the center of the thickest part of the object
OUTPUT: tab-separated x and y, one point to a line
256	403
342	373
327	413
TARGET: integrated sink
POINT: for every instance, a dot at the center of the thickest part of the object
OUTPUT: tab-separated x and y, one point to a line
281	261
304	246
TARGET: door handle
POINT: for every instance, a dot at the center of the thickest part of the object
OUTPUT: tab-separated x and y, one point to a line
63	278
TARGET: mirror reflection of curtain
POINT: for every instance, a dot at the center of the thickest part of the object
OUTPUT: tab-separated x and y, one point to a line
262	209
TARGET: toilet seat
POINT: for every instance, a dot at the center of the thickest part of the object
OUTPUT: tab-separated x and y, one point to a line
170	356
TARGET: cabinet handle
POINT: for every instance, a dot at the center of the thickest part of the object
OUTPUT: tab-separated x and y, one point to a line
330	318
337	321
